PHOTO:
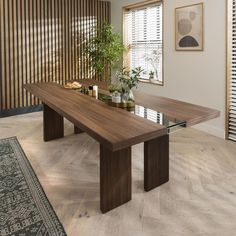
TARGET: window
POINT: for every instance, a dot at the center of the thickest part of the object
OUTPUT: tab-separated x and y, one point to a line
231	91
143	40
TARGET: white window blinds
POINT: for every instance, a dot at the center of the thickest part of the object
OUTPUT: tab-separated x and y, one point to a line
143	39
232	72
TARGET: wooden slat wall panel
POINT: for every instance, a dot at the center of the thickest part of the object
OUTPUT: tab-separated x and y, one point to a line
42	41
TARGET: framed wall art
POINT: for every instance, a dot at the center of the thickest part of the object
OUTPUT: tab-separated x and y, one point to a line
189	28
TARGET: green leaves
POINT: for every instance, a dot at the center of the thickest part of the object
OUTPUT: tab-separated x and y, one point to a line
129	78
114	88
105	48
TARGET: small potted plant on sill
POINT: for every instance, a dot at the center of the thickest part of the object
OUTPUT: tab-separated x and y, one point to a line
151	76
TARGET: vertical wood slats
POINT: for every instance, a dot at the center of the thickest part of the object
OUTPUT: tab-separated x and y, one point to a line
42	41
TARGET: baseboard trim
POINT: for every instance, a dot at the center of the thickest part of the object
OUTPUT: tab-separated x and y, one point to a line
215	131
19	111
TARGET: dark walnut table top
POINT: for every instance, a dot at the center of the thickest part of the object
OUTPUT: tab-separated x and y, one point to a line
191	113
112	127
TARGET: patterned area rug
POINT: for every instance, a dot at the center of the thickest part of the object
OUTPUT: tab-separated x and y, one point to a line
24	207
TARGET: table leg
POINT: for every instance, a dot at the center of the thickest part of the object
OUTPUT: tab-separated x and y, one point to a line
53	124
115	178
77	130
156	162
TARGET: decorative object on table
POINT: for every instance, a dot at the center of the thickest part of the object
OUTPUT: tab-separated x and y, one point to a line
25	209
84	90
90	90
114	88
189	28
129	106
95	91
121	93
73	85
116	97
104	50
128	79
108	100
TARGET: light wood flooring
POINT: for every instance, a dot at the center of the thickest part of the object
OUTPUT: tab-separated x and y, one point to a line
199	200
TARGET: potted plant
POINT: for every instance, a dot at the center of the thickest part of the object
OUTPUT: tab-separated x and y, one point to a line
104	50
128	79
115	90
151	75
154	59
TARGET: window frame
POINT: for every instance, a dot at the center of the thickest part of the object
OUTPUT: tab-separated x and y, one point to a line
141	5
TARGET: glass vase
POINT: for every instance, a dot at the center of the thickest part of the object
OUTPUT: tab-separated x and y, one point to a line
127	96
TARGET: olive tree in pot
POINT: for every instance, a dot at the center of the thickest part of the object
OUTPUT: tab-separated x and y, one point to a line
104	50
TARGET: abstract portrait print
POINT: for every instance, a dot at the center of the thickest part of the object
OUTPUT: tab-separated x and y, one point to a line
189	28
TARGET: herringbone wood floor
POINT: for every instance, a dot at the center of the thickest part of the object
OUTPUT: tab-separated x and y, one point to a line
199	200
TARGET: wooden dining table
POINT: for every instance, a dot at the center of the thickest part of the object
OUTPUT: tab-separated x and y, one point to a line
117	130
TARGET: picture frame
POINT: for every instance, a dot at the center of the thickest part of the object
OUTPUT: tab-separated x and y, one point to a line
189	28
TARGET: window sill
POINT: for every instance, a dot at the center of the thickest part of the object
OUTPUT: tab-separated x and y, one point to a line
151	82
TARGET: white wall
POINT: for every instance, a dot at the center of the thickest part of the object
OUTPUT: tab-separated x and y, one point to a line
196	77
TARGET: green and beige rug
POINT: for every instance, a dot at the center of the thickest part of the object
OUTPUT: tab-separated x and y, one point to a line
24	207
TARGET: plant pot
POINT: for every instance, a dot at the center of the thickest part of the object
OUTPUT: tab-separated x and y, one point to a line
127	96
116	97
